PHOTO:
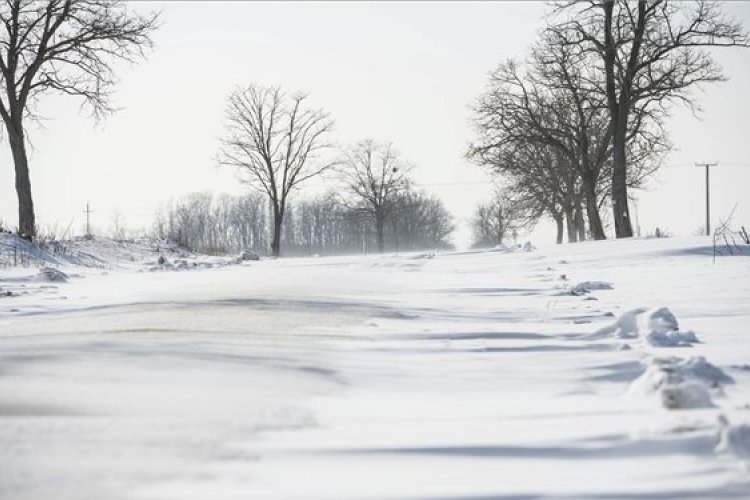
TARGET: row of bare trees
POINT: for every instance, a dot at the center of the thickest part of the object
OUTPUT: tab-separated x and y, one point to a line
323	225
277	142
581	121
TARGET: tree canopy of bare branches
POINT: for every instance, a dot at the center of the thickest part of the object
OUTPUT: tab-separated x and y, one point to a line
651	54
66	47
278	142
374	174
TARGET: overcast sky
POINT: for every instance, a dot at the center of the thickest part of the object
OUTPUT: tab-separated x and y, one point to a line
404	72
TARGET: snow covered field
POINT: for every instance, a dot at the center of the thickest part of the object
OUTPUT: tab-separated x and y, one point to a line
612	370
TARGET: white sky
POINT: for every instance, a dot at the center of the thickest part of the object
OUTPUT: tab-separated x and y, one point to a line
404	72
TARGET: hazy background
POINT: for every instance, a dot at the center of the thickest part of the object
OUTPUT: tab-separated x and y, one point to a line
405	72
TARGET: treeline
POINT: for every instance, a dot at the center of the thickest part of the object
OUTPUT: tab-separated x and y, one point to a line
323	225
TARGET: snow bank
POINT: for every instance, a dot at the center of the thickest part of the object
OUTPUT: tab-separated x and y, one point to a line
656	327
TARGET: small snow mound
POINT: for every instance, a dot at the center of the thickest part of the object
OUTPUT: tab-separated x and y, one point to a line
659	320
735	439
588	286
626	326
51	275
696	368
657	327
671	339
686	396
681	383
661	372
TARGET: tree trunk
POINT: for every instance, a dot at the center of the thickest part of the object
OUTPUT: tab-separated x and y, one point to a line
570	225
26	218
580	223
623	227
560	229
592	209
380	229
278	218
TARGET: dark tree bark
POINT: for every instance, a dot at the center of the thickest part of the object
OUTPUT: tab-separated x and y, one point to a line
558	218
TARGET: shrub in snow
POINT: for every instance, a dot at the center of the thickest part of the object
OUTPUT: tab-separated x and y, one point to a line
248	255
51	275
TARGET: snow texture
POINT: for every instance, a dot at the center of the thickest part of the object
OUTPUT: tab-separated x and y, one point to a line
433	375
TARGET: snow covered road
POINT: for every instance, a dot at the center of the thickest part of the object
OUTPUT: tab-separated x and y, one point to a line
486	375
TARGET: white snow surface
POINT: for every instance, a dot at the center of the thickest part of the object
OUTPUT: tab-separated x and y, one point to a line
465	375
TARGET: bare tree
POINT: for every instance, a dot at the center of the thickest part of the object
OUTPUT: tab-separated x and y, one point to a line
651	54
374	174
65	47
495	220
277	141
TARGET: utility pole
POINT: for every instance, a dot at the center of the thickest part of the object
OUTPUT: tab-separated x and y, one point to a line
708	195
88	213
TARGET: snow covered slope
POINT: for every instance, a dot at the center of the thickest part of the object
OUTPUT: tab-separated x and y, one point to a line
617	369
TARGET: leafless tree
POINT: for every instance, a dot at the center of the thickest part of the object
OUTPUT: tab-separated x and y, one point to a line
651	54
65	47
277	141
374	174
495	220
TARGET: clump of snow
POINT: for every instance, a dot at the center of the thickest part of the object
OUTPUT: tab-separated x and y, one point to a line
51	275
681	383
673	338
686	396
588	286
657	327
626	326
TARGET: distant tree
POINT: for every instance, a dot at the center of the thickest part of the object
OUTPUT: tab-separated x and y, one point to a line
650	53
65	47
277	141
374	174
419	221
495	221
